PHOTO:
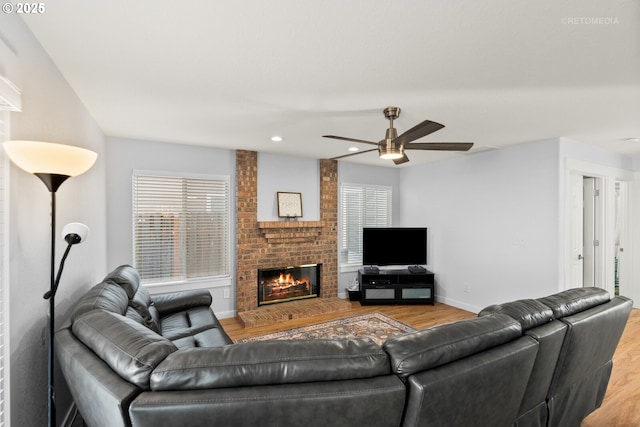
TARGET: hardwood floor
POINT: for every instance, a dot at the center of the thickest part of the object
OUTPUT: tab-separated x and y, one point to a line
418	316
621	406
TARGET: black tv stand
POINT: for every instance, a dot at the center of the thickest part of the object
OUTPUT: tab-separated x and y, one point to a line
396	287
416	269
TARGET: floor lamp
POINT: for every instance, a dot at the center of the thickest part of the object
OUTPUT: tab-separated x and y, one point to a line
53	164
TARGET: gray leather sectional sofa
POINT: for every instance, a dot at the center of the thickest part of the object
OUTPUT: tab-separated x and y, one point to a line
133	360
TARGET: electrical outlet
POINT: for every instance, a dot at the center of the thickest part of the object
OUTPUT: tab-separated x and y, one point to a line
467	289
225	293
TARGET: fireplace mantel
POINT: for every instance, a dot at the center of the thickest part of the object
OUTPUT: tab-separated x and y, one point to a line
290	231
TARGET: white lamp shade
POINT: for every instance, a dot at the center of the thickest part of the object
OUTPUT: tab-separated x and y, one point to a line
77	228
47	157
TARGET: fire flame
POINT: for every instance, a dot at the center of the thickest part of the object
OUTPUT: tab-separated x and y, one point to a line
286	278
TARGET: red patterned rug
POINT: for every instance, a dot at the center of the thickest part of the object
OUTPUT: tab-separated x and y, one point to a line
376	326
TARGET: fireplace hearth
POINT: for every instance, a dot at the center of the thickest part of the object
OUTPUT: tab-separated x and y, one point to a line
277	285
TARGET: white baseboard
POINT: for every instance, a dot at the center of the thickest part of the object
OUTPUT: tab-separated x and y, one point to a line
225	314
458	304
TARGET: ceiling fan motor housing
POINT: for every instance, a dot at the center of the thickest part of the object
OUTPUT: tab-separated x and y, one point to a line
388	148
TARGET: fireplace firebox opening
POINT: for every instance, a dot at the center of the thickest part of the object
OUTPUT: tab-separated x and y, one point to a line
276	285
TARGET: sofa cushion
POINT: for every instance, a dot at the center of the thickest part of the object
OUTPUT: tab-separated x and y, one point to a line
188	322
213	337
130	349
270	362
530	313
439	345
105	296
573	301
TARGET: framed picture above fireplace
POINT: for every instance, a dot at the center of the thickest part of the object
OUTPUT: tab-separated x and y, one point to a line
289	205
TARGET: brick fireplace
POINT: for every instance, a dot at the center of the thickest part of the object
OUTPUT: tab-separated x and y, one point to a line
268	244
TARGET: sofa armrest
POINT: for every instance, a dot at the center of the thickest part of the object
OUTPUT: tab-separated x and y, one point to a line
270	362
172	302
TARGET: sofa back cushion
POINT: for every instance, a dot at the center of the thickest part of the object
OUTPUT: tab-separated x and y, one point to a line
528	312
439	345
139	301
103	296
270	362
127	277
130	349
573	301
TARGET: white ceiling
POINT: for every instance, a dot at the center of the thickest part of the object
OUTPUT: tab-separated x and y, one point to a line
232	73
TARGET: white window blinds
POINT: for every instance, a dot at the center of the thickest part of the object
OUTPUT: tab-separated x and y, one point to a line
361	206
181	227
4	274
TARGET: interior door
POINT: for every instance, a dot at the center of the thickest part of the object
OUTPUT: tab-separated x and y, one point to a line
589	237
576	265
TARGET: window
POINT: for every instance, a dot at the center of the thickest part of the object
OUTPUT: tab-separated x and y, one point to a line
4	272
10	100
181	227
361	206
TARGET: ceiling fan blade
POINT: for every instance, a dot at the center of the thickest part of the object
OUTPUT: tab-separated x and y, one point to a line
441	146
349	139
418	131
353	154
401	160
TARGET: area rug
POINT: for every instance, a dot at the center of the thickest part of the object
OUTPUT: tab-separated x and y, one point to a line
376	326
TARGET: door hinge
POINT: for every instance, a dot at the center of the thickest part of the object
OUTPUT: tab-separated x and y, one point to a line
596	193
596	243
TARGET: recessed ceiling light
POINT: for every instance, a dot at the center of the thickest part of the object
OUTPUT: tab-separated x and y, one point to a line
353	149
276	138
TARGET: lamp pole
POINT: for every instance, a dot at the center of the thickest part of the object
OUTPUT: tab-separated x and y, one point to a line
53	182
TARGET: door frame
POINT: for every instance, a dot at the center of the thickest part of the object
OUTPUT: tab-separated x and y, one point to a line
605	257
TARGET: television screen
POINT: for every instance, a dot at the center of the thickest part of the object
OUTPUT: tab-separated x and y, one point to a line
394	246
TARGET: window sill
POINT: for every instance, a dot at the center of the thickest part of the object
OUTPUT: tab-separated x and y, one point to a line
199	283
350	268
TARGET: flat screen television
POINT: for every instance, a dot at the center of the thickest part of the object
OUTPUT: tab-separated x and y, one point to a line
394	246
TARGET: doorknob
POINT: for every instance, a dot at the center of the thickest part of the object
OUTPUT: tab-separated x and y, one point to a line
580	256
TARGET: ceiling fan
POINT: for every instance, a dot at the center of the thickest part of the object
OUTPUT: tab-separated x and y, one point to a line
393	146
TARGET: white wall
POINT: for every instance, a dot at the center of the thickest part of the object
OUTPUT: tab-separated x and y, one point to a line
497	219
125	156
50	112
635	239
352	173
288	174
493	223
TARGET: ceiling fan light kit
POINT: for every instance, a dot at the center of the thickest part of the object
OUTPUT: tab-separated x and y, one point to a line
393	147
390	151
